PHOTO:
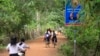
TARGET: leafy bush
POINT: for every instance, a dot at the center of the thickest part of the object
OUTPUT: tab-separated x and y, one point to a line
66	50
87	35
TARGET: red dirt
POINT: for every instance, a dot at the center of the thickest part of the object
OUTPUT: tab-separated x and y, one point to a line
37	47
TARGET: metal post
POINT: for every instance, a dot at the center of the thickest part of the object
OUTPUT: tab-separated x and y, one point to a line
74	43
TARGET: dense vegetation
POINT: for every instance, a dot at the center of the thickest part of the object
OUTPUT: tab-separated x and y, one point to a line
30	18
88	34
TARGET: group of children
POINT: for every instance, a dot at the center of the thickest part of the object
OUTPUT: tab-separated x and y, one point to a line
17	49
50	35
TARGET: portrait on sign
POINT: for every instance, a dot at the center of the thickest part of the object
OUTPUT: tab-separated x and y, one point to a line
72	13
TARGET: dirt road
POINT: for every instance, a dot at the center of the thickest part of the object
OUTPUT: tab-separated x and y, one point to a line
37	47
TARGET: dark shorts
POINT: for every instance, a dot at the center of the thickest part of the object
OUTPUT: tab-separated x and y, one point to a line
13	54
54	39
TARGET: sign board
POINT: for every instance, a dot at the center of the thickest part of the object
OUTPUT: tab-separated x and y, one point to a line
71	15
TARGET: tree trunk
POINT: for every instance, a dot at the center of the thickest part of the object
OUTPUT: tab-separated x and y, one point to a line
30	32
38	23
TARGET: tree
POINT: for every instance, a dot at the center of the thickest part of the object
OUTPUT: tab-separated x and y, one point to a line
87	35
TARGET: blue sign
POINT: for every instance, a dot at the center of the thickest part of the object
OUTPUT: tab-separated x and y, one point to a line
71	14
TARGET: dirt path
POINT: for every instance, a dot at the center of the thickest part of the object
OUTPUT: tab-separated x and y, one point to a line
37	48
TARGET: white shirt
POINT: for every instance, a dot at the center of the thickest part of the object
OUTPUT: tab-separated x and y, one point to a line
23	46
12	48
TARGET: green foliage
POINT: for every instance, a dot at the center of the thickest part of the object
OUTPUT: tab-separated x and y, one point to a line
14	15
66	50
19	16
87	34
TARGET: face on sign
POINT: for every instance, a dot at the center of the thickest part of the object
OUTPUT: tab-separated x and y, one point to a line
75	3
71	13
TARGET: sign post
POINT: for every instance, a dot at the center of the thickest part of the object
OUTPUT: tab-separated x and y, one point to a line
71	18
74	43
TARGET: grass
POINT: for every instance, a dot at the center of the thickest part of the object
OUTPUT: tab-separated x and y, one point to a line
2	48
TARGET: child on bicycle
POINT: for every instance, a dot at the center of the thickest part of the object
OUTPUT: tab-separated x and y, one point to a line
23	45
54	38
